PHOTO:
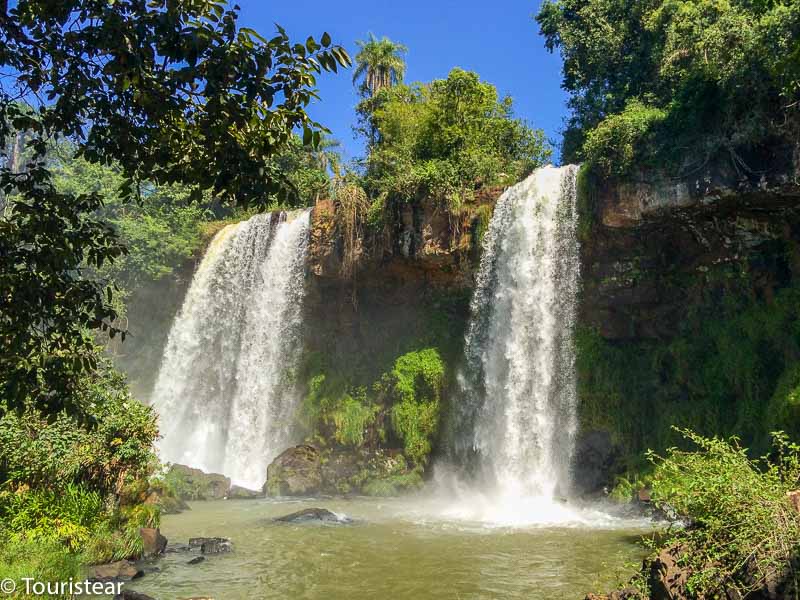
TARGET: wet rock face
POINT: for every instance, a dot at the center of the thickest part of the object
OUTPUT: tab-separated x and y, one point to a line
203	486
153	543
296	471
654	248
595	456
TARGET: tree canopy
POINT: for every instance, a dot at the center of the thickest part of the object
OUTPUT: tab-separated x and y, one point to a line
448	138
171	93
676	82
379	64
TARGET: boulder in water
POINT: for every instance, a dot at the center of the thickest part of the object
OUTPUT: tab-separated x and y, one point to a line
195	484
153	543
211	545
296	471
239	493
321	515
121	570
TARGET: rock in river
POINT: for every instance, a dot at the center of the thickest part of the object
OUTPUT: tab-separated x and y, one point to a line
307	515
212	545
121	570
296	471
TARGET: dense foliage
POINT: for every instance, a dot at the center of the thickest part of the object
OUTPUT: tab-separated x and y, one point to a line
407	398
174	93
444	140
731	368
676	82
744	530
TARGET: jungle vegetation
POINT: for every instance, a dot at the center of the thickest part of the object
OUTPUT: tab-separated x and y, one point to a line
676	83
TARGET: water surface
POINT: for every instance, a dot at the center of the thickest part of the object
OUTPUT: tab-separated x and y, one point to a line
394	549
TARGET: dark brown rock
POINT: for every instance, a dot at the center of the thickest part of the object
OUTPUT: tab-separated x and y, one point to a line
667	578
121	570
153	543
794	499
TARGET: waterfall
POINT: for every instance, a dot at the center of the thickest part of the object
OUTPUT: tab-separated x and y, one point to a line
516	415
224	391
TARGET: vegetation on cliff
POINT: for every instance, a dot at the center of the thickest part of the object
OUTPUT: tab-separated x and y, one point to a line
401	410
440	142
674	83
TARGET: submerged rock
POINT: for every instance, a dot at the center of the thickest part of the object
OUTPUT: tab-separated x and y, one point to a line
121	570
196	560
626	594
322	515
131	595
211	545
296	471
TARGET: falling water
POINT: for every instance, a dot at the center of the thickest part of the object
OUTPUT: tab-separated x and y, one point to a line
517	411
224	393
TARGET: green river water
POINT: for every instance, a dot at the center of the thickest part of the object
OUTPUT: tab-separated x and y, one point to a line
394	549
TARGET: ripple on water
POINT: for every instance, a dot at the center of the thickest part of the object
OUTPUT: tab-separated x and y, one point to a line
403	548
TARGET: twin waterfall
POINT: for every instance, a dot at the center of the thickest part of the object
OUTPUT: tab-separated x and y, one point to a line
224	392
516	417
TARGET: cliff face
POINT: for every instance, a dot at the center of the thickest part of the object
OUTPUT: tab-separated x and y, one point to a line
686	317
689	314
656	248
409	284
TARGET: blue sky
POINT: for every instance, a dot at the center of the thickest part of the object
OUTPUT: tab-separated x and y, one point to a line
499	40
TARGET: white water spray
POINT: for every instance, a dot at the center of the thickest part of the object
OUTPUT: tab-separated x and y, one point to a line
517	415
223	392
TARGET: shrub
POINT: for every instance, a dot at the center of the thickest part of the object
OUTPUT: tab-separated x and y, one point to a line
417	380
351	418
41	560
67	516
51	453
743	530
620	141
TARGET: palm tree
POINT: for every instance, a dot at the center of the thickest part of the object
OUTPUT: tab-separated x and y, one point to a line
380	63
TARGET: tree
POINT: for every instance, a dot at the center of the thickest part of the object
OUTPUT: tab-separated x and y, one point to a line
448	138
679	81
380	64
170	92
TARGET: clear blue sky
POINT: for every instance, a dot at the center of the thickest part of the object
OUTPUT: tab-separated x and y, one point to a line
499	40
